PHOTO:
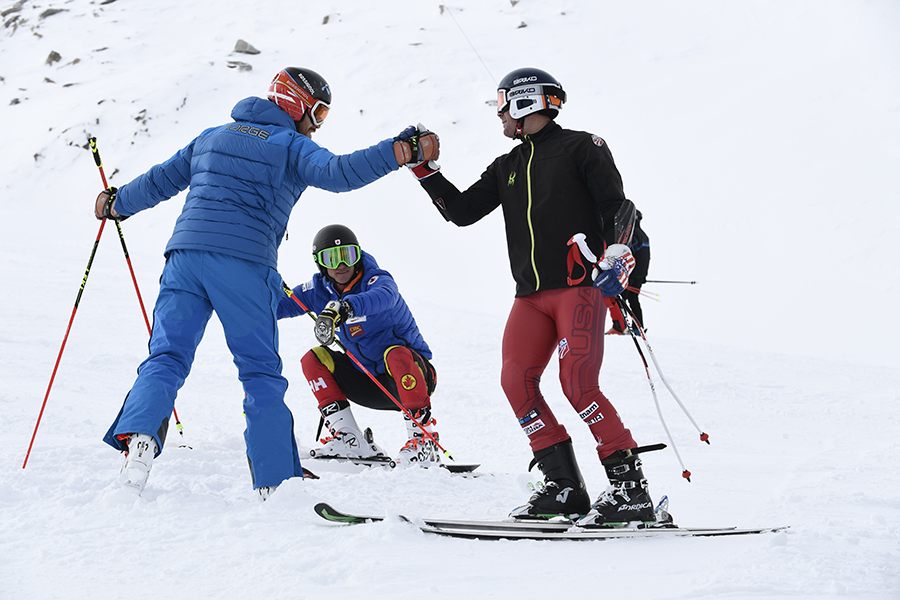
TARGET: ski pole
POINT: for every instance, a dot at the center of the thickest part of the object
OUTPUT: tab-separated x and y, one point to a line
87	272
96	152
669	281
684	471
290	293
704	437
642	292
580	240
293	297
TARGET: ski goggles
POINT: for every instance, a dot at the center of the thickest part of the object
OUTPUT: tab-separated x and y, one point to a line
524	100
318	112
331	258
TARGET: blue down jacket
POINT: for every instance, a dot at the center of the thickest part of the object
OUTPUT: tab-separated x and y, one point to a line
381	317
245	178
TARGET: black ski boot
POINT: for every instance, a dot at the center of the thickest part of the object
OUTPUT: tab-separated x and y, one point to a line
563	492
626	499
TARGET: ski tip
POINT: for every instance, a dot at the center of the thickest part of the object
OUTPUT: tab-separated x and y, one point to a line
330	514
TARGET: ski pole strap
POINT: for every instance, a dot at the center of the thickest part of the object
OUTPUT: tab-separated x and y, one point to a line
574	258
577	248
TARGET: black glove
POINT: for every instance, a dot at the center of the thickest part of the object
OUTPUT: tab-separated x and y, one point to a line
104	205
328	320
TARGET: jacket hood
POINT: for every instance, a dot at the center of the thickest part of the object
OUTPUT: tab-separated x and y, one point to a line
264	112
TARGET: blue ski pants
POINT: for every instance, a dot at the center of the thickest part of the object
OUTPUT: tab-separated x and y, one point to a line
244	295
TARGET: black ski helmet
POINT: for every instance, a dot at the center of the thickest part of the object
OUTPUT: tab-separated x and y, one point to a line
299	91
331	236
528	90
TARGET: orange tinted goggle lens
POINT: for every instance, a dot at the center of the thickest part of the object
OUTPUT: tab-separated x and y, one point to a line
502	104
319	112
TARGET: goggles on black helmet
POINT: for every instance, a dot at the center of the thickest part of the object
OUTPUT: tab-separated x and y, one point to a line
526	99
331	258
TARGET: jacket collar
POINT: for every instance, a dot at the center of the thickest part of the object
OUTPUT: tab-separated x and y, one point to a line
545	132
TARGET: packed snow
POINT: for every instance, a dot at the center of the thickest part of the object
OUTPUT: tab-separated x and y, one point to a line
761	142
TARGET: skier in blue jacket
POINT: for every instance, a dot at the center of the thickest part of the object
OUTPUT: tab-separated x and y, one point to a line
244	179
352	291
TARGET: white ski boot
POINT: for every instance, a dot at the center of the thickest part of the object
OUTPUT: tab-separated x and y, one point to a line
420	450
265	492
346	439
142	449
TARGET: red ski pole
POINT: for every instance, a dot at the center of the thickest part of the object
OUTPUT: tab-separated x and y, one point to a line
96	153
87	272
290	293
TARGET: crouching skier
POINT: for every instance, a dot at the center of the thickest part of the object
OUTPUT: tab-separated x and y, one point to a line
245	178
353	292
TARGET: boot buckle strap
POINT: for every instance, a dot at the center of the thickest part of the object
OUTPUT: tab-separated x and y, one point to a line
618	469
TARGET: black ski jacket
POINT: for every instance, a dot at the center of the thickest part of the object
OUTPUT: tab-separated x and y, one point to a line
556	183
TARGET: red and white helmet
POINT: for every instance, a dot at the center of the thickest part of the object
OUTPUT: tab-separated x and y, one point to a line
301	91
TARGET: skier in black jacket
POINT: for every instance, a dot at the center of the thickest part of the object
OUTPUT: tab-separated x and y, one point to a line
555	184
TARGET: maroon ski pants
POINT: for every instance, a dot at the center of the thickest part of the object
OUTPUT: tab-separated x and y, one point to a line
569	321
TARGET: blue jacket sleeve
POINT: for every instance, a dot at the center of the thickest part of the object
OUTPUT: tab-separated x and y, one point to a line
324	170
381	296
160	183
288	307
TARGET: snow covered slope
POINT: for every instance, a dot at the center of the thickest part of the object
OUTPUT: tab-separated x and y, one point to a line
759	139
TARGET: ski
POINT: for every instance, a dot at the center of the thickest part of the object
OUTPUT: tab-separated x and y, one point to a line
331	514
535	530
579	533
381	461
387	461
